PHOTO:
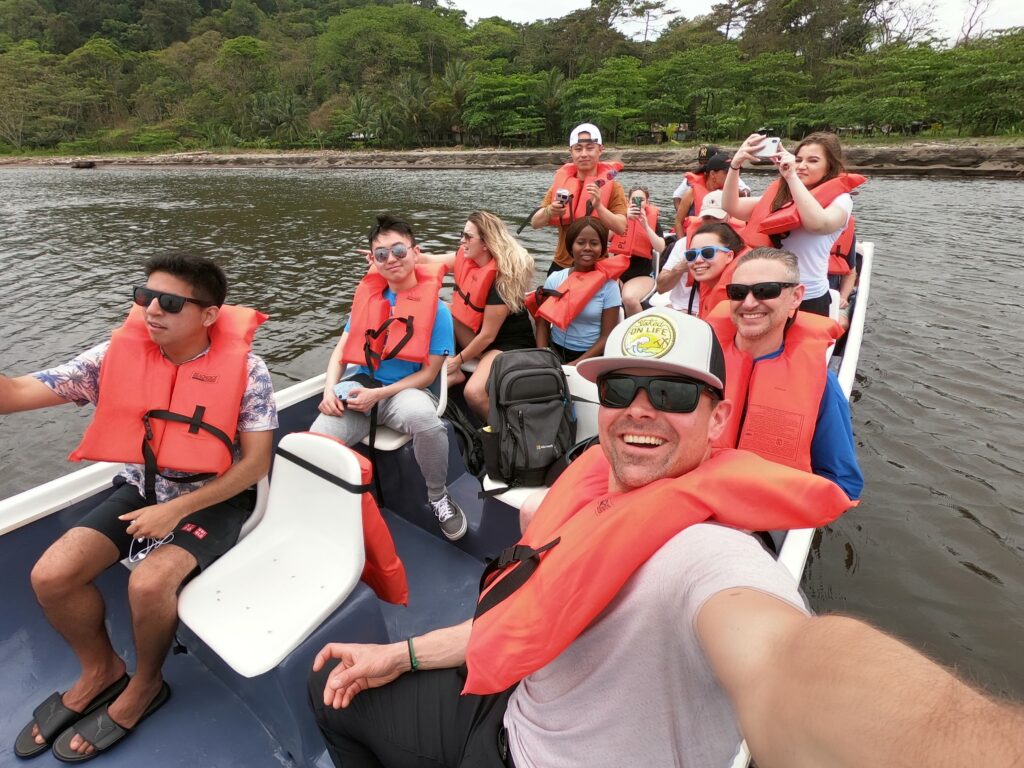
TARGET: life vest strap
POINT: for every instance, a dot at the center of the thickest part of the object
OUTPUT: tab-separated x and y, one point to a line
373	359
529	560
323	473
196	423
465	297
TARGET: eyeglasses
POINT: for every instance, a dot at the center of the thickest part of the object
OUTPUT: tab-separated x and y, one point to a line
761	291
708	252
169	302
671	394
466	237
398	250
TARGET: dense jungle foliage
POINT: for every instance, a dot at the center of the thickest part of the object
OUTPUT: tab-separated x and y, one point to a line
82	76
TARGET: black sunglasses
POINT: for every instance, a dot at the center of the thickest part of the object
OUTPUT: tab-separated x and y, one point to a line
672	394
761	291
398	250
169	302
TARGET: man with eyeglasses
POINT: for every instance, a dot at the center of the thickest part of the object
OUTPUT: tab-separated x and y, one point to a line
787	405
585	186
396	339
184	402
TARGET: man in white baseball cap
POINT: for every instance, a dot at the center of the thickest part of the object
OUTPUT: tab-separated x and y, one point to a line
636	623
585	186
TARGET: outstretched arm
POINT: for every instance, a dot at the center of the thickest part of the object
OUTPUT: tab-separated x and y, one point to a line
371	666
26	393
834	691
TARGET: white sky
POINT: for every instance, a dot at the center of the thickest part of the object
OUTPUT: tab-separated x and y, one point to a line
949	13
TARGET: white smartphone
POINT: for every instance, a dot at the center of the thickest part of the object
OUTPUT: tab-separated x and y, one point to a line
770	147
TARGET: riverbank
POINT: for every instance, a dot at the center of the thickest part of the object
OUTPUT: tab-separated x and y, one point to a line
917	158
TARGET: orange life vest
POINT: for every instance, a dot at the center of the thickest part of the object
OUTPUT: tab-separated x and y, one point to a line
383	570
585	543
699	184
181	417
636	241
376	333
764	222
472	284
838	263
560	306
579	202
775	402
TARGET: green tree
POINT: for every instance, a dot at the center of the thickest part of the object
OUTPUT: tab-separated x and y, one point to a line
613	97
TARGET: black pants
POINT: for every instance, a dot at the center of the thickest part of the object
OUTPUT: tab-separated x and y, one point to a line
418	721
818	306
565	355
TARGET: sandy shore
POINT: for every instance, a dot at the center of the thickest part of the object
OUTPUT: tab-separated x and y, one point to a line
945	158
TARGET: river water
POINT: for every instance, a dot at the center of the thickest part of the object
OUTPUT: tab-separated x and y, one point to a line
935	552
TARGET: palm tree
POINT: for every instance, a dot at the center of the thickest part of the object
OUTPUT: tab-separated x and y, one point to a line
550	95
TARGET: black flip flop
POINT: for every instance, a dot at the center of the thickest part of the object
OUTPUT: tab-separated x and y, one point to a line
100	730
53	718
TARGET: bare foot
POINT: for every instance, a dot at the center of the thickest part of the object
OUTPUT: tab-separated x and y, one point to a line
86	688
126	710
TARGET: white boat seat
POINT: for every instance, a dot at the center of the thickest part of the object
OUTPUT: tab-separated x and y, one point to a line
659	300
584	396
267	594
389	439
470	365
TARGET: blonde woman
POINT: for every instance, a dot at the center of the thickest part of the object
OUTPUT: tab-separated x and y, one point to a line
493	273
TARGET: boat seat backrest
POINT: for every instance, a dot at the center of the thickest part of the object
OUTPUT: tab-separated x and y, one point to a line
271	590
584	398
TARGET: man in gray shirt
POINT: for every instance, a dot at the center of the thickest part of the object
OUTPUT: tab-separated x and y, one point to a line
706	641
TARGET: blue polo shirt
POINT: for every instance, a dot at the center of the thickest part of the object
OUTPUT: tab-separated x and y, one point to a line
442	342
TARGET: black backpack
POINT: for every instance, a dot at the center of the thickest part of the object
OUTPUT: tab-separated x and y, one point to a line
532	422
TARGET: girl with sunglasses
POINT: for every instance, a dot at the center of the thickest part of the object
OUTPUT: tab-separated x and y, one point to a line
492	274
804	211
589	305
710	259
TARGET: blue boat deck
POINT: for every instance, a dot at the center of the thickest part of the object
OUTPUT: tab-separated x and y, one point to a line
216	717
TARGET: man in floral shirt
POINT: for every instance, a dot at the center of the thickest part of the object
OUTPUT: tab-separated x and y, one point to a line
172	528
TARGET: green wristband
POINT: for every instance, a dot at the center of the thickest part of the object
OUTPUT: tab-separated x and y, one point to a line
414	663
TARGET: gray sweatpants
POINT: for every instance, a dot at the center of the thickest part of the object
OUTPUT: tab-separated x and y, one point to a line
413	411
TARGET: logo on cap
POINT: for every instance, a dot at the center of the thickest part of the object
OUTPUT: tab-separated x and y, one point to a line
650	337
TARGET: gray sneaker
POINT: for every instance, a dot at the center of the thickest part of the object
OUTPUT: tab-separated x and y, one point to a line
451	519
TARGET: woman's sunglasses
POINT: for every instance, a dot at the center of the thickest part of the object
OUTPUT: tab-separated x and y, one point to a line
398	250
761	291
171	303
708	252
671	394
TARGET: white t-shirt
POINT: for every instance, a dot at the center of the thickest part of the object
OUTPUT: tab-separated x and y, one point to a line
679	296
635	689
812	251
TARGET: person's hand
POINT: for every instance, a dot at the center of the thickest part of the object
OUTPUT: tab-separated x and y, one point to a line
844	302
363	399
454	364
361	667
154	521
331	404
556	208
747	153
634	212
594	193
786	164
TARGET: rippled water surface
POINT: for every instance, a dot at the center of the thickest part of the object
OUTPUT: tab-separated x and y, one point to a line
935	553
